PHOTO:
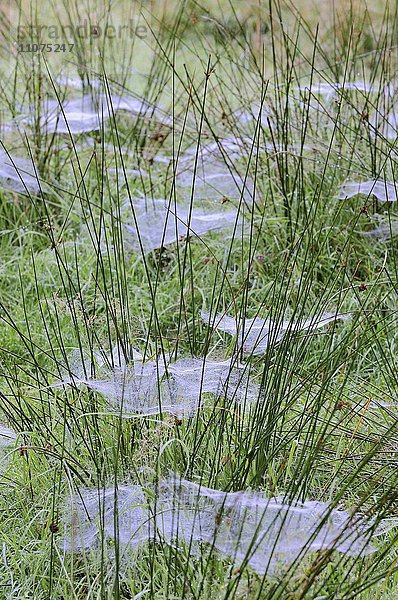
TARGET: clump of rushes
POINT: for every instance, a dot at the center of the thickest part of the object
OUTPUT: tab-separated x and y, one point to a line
266	118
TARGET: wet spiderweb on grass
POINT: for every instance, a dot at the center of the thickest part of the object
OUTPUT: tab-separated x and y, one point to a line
244	527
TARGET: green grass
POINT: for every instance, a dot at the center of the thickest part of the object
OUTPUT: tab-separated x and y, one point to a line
320	429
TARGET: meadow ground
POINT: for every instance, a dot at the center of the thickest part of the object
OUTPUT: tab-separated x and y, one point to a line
198	292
